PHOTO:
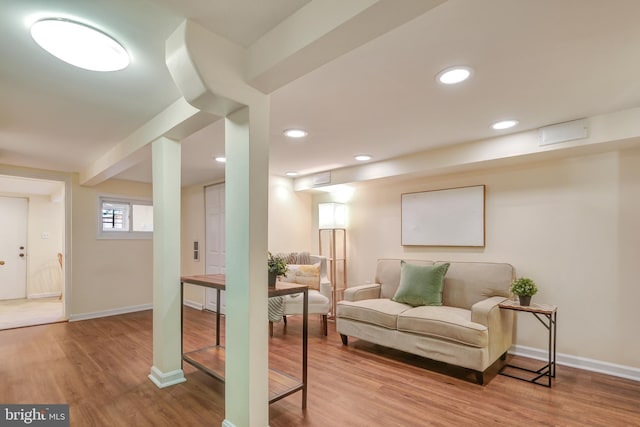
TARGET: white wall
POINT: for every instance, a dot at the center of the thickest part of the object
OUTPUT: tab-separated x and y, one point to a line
45	241
571	225
290	226
193	229
107	274
290	219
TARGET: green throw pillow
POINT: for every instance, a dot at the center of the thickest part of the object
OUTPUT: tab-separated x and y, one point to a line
421	284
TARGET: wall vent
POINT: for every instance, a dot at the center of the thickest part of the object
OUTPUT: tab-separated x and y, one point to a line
563	132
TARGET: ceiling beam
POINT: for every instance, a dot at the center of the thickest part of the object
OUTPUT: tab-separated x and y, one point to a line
175	122
607	132
321	31
217	77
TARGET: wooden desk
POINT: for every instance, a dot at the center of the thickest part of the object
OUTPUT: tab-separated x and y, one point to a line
547	315
211	359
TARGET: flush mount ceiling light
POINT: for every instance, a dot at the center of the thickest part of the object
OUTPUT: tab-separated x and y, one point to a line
362	157
221	159
296	133
291	173
453	75
79	45
504	124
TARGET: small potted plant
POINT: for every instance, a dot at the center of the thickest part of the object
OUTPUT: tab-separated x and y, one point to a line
525	288
277	267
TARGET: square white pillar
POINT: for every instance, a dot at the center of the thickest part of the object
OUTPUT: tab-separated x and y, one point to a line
246	189
167	360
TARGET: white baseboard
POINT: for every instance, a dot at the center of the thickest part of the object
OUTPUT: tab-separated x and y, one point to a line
613	369
166	379
227	423
193	304
113	312
44	295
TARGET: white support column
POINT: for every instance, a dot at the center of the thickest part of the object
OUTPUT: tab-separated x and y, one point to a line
247	351
167	366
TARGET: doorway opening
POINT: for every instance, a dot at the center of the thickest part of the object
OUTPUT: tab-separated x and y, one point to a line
33	240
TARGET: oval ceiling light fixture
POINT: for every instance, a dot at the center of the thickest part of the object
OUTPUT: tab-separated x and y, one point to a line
295	133
362	157
291	173
79	44
221	159
453	75
504	124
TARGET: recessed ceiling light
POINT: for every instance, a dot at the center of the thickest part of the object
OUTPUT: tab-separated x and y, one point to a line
453	75
505	124
221	159
291	173
362	157
296	133
79	45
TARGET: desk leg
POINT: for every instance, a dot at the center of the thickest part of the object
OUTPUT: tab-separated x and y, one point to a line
217	317
305	326
181	324
550	349
549	321
554	324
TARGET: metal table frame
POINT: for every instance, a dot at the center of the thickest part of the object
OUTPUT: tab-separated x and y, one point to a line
547	315
218	282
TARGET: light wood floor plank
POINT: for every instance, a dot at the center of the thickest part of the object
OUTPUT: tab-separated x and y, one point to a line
100	368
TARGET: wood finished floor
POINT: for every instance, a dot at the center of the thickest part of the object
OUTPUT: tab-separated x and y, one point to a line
100	368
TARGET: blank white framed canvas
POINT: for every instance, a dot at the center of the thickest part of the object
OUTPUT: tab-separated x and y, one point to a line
448	217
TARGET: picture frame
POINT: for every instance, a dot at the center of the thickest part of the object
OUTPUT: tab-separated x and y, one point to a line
446	217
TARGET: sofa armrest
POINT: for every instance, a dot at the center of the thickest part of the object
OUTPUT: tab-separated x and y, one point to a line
481	312
499	323
357	293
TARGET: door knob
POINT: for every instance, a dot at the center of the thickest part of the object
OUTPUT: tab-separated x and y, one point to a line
1	262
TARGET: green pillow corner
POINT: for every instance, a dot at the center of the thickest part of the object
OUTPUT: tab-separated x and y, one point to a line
421	284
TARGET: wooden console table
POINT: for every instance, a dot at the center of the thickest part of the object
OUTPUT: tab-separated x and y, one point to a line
211	359
547	315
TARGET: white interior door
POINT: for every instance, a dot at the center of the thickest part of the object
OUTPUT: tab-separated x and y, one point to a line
215	241
13	243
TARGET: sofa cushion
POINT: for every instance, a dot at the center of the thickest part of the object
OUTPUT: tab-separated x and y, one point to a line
420	284
318	303
449	323
304	275
381	312
469	282
388	274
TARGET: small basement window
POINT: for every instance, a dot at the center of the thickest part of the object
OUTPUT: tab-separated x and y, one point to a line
125	218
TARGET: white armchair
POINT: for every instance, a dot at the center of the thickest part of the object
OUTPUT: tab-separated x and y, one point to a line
319	299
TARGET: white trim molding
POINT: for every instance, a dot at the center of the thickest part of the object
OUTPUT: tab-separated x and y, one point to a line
112	312
194	304
607	368
227	423
166	379
45	295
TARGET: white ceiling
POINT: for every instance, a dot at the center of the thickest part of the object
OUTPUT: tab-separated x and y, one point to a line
539	61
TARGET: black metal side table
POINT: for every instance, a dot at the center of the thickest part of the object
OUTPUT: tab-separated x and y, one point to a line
547	315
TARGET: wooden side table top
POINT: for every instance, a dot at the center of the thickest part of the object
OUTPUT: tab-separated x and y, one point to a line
218	281
533	308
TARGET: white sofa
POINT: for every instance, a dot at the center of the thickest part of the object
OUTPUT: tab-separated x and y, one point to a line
319	299
468	329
